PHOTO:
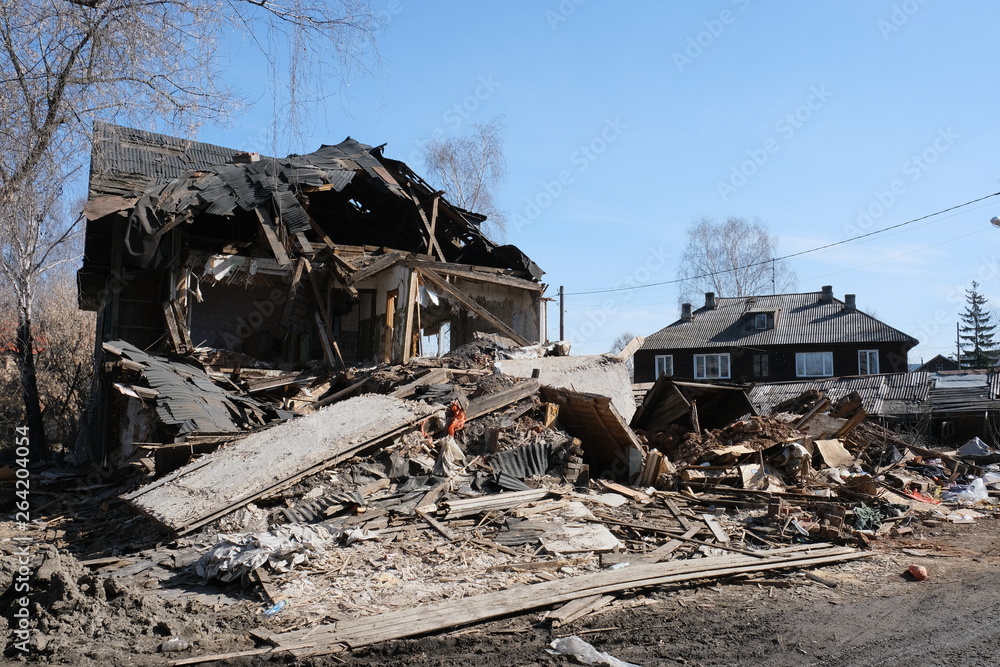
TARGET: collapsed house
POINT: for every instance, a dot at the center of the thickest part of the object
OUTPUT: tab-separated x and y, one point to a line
342	255
458	493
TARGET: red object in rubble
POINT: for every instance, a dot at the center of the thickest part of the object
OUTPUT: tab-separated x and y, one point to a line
457	419
918	572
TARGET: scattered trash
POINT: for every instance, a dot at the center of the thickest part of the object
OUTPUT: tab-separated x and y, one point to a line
275	608
586	653
174	644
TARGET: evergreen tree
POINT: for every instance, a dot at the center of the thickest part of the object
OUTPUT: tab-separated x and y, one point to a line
978	348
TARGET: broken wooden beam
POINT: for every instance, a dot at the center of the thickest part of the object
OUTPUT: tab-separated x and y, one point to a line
453	293
354	633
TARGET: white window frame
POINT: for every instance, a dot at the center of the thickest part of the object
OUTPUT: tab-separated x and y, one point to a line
802	358
703	365
667	364
869	356
760	321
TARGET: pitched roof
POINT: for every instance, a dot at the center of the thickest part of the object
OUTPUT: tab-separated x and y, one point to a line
799	319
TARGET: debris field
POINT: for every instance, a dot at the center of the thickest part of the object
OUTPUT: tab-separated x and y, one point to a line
343	511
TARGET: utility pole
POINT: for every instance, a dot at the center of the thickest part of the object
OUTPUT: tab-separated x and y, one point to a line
958	348
562	313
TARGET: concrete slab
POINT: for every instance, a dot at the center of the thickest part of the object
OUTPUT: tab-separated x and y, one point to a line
589	374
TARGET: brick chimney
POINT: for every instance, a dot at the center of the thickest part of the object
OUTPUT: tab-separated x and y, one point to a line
850	302
827	295
686	312
710	300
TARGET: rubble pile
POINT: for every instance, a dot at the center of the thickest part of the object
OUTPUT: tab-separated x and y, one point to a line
401	500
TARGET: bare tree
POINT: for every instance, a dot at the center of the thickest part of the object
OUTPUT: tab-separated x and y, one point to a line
65	63
470	168
732	258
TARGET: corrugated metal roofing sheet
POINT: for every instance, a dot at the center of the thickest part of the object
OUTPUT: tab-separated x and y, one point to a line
886	395
800	319
189	400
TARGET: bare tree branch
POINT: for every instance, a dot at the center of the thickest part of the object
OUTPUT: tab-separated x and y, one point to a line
470	168
732	258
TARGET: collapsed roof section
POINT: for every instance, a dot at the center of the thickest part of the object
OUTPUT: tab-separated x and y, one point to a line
348	194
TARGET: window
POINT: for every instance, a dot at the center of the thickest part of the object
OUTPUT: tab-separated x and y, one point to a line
664	365
760	369
760	321
867	362
813	364
711	366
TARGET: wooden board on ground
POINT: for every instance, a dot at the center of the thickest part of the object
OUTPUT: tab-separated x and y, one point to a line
354	633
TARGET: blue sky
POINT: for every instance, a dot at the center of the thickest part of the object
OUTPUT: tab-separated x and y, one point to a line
627	121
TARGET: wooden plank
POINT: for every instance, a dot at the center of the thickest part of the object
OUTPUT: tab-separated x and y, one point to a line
432	244
439	616
324	339
380	264
268	229
627	351
553	592
409	322
497	501
432	376
680	516
175	336
343	393
716	528
303	242
501	399
436	525
578	608
452	292
182	327
816	409
672	545
475	274
197	660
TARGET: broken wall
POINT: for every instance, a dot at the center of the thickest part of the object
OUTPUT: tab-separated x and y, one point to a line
599	374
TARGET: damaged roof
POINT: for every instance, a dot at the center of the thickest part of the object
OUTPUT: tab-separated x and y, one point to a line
798	319
185	397
348	194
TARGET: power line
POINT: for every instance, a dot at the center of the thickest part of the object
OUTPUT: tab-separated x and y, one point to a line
794	254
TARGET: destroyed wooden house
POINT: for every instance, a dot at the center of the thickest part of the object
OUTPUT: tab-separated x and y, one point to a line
772	338
342	256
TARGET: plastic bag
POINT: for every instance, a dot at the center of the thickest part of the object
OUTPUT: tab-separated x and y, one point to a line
586	653
973	492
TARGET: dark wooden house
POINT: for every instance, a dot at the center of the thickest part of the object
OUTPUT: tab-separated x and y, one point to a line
773	338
